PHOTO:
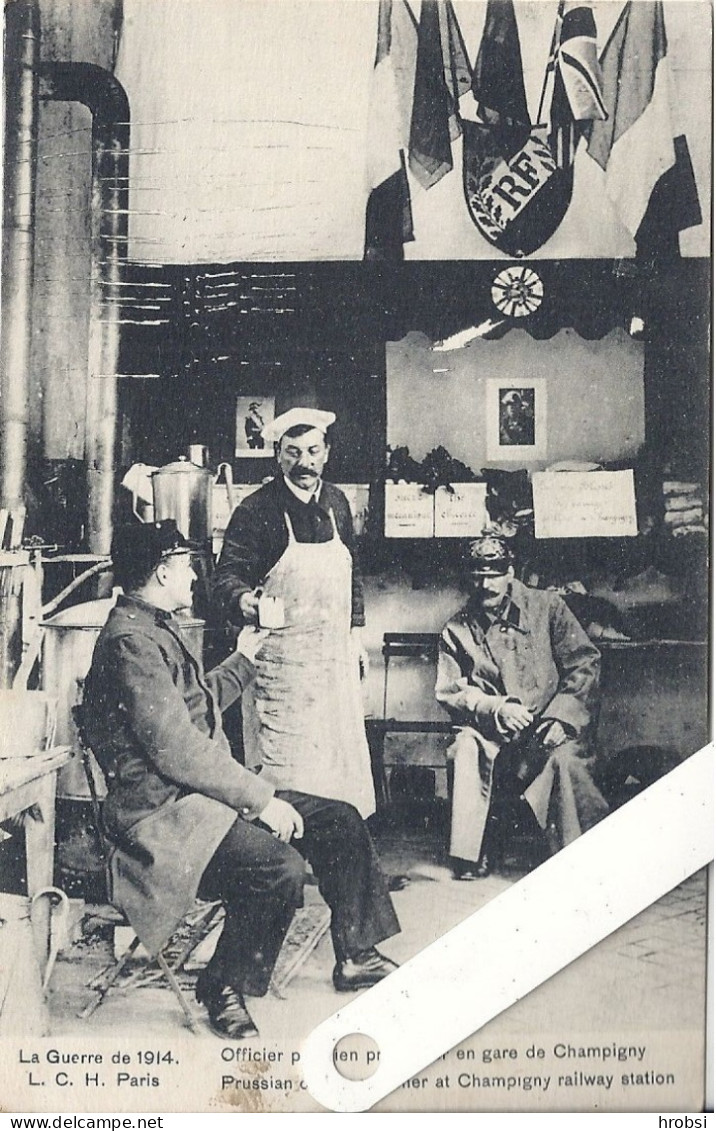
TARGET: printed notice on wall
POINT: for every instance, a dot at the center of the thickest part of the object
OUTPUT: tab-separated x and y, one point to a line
584	504
460	510
409	511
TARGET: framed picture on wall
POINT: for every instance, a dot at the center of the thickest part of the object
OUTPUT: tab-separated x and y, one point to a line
516	419
252	415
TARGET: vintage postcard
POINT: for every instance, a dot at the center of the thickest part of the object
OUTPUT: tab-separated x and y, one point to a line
354	566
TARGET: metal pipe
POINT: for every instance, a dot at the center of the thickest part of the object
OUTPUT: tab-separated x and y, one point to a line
98	567
22	46
105	98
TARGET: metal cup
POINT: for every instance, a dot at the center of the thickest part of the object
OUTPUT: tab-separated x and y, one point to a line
199	455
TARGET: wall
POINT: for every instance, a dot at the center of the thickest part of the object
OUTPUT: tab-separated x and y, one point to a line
391	605
595	395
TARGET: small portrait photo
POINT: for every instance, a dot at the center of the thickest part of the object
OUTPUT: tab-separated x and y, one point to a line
252	415
517	417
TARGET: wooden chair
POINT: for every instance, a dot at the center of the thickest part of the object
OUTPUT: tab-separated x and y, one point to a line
419	645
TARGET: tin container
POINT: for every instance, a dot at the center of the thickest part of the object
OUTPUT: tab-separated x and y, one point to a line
183	491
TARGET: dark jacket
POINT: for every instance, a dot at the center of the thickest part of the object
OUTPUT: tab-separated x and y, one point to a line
256	537
153	720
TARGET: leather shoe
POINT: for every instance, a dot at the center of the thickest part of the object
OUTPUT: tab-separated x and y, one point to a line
228	1015
363	970
464	869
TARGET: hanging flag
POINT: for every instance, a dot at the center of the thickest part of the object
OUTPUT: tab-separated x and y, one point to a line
516	195
579	65
635	145
498	81
389	220
576	79
673	207
457	72
442	76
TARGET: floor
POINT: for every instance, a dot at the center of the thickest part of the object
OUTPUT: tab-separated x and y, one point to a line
651	972
642	987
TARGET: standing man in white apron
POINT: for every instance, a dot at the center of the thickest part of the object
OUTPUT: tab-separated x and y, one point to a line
287	566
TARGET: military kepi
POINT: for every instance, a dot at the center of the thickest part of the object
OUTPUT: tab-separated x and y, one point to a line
140	547
488	556
313	417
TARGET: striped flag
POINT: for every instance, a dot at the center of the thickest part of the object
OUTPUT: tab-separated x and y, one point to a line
635	145
442	75
575	77
389	220
578	63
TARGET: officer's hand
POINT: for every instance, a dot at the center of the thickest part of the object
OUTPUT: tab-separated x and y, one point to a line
249	605
250	640
554	735
514	717
283	820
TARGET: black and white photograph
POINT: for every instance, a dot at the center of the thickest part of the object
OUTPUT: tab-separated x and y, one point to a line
253	415
355	451
516	420
517	417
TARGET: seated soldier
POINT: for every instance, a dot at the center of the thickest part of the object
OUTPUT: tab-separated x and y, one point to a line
520	679
185	818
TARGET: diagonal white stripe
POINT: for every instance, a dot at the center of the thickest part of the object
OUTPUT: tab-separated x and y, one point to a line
581	74
522	937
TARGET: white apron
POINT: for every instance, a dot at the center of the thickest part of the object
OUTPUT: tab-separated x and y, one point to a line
309	708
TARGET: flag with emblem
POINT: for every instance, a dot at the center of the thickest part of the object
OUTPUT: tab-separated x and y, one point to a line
516	194
442	76
389	221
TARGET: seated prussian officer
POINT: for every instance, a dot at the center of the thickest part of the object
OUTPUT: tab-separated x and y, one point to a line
519	677
185	818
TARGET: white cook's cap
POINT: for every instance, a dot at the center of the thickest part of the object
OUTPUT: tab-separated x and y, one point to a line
313	417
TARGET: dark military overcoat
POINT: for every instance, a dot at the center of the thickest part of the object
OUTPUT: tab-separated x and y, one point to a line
153	719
